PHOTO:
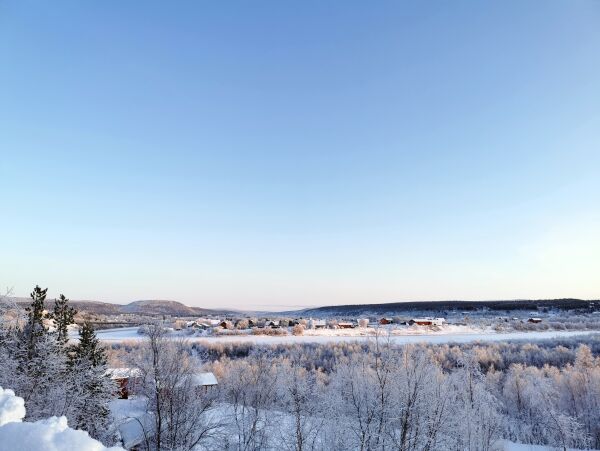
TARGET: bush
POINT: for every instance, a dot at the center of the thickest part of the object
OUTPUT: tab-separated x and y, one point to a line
268	331
298	329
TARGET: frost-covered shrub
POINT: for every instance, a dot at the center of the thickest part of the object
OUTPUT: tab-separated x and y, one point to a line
298	329
268	331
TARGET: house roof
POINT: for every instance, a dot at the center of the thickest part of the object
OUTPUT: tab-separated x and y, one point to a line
123	373
428	318
132	430
204	379
208	321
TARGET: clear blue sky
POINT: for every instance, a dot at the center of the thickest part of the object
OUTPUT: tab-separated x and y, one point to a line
275	154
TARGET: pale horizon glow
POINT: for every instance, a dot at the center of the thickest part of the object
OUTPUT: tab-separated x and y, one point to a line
266	156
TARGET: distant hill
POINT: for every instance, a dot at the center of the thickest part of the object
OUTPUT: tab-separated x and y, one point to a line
144	307
399	308
160	307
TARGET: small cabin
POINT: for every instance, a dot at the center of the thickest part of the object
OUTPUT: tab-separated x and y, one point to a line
346	325
317	323
126	380
204	381
385	321
534	320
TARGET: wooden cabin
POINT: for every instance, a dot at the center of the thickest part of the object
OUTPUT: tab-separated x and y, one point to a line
126	380
204	381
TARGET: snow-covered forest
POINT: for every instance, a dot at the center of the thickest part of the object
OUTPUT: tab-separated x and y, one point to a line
337	396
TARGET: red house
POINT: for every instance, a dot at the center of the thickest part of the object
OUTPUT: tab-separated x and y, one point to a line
126	380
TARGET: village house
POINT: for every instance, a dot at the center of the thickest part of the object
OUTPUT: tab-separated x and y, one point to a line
203	323
427	321
346	325
534	320
385	321
317	324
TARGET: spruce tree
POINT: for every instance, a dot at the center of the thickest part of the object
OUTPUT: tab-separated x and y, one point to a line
41	363
92	388
35	329
63	317
89	346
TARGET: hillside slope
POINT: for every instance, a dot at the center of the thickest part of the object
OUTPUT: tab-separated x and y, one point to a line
143	307
442	307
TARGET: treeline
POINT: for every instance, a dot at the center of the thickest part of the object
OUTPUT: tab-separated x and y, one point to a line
56	378
449	306
324	357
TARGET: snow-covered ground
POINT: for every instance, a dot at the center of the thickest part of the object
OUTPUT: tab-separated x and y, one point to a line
129	412
447	334
505	445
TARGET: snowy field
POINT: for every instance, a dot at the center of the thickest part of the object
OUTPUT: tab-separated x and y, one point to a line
130	333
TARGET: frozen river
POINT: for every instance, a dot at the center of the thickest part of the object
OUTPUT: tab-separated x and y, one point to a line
130	333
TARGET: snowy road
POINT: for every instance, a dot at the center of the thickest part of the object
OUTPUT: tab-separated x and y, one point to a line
130	333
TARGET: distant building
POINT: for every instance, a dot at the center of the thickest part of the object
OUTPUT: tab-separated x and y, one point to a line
534	320
317	324
427	321
385	321
204	323
346	325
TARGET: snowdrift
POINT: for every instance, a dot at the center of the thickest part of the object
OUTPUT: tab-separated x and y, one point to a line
51	434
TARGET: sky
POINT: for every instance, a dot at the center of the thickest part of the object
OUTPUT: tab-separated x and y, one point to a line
275	155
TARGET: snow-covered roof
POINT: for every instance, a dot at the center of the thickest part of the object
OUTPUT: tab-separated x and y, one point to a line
428	318
208	322
204	379
134	430
123	373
